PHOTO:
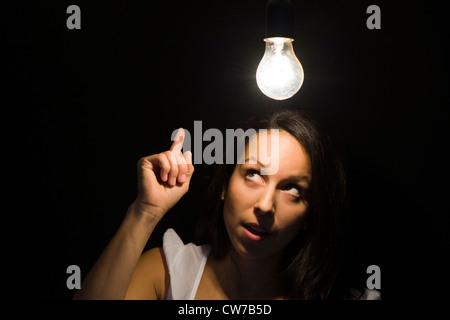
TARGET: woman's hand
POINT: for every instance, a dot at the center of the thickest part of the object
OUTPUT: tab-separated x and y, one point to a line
163	179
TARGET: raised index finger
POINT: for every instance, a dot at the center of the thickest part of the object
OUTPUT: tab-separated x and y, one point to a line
178	141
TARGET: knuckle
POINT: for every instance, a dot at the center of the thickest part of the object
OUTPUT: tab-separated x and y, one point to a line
141	162
174	169
170	156
165	166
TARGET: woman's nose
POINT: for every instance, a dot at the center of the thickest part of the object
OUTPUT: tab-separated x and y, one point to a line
266	201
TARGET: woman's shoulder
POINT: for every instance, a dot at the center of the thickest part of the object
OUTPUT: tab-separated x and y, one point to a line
150	279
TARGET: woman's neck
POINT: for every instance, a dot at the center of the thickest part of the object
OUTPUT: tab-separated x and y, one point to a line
242	278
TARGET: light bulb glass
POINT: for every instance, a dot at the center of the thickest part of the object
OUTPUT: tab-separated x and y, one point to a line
279	75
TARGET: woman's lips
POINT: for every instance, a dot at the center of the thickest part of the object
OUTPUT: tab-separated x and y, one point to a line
255	232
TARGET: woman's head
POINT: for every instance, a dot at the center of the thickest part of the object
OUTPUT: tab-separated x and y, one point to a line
263	213
296	212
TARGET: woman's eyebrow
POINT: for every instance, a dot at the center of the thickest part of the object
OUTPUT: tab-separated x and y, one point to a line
295	178
302	179
256	161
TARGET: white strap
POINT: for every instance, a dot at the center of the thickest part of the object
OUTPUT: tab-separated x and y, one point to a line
185	263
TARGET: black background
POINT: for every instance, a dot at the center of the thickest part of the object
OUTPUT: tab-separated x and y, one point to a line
80	107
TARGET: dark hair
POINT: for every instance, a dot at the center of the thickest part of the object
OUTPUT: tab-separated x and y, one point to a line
313	262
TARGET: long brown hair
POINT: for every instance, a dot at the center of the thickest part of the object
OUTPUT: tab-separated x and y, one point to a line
314	261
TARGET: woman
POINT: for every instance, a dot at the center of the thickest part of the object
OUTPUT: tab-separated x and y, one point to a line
274	236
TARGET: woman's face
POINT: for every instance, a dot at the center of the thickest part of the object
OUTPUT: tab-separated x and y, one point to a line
263	213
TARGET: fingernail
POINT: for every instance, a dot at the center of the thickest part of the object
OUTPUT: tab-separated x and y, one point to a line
182	178
172	181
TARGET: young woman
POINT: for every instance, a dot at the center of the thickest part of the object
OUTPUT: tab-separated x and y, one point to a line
261	236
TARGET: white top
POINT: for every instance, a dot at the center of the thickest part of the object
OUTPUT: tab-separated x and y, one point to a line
187	262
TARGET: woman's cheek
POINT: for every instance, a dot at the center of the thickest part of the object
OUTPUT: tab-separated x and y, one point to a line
237	196
293	221
232	206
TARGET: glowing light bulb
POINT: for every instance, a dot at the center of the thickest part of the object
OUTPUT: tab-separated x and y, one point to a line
279	75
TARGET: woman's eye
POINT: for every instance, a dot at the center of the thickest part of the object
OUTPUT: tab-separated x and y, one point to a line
293	190
254	176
